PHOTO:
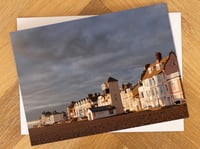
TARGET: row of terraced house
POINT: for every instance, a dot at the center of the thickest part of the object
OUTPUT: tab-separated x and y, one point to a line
159	85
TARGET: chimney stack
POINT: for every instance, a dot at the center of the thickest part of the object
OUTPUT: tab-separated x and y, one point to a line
158	57
123	86
146	66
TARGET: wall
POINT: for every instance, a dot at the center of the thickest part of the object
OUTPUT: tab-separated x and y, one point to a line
115	96
103	114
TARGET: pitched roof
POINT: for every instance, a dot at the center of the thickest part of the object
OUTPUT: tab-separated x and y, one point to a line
72	104
111	79
102	108
162	63
46	113
51	113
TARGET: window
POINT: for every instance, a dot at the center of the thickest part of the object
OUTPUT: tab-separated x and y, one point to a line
156	91
169	100
152	92
107	91
158	78
141	95
150	69
151	81
164	76
166	88
161	89
147	93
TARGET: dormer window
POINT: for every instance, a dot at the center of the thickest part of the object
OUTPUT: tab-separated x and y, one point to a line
150	69
157	67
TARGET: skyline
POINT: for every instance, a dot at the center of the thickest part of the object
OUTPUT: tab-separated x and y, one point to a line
62	62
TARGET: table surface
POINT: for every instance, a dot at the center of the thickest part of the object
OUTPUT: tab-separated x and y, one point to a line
9	99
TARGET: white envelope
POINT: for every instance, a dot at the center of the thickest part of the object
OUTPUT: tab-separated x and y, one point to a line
175	21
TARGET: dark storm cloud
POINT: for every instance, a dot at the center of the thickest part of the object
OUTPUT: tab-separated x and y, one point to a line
66	61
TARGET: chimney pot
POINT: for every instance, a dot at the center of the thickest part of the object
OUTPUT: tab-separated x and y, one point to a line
158	57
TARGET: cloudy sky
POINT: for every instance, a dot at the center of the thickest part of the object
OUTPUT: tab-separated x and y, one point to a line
60	63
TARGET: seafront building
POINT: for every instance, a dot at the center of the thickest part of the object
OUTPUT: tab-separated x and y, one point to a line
49	118
159	85
98	105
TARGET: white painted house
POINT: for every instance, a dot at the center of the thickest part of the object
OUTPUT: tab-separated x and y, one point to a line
96	105
32	124
161	83
101	112
48	118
